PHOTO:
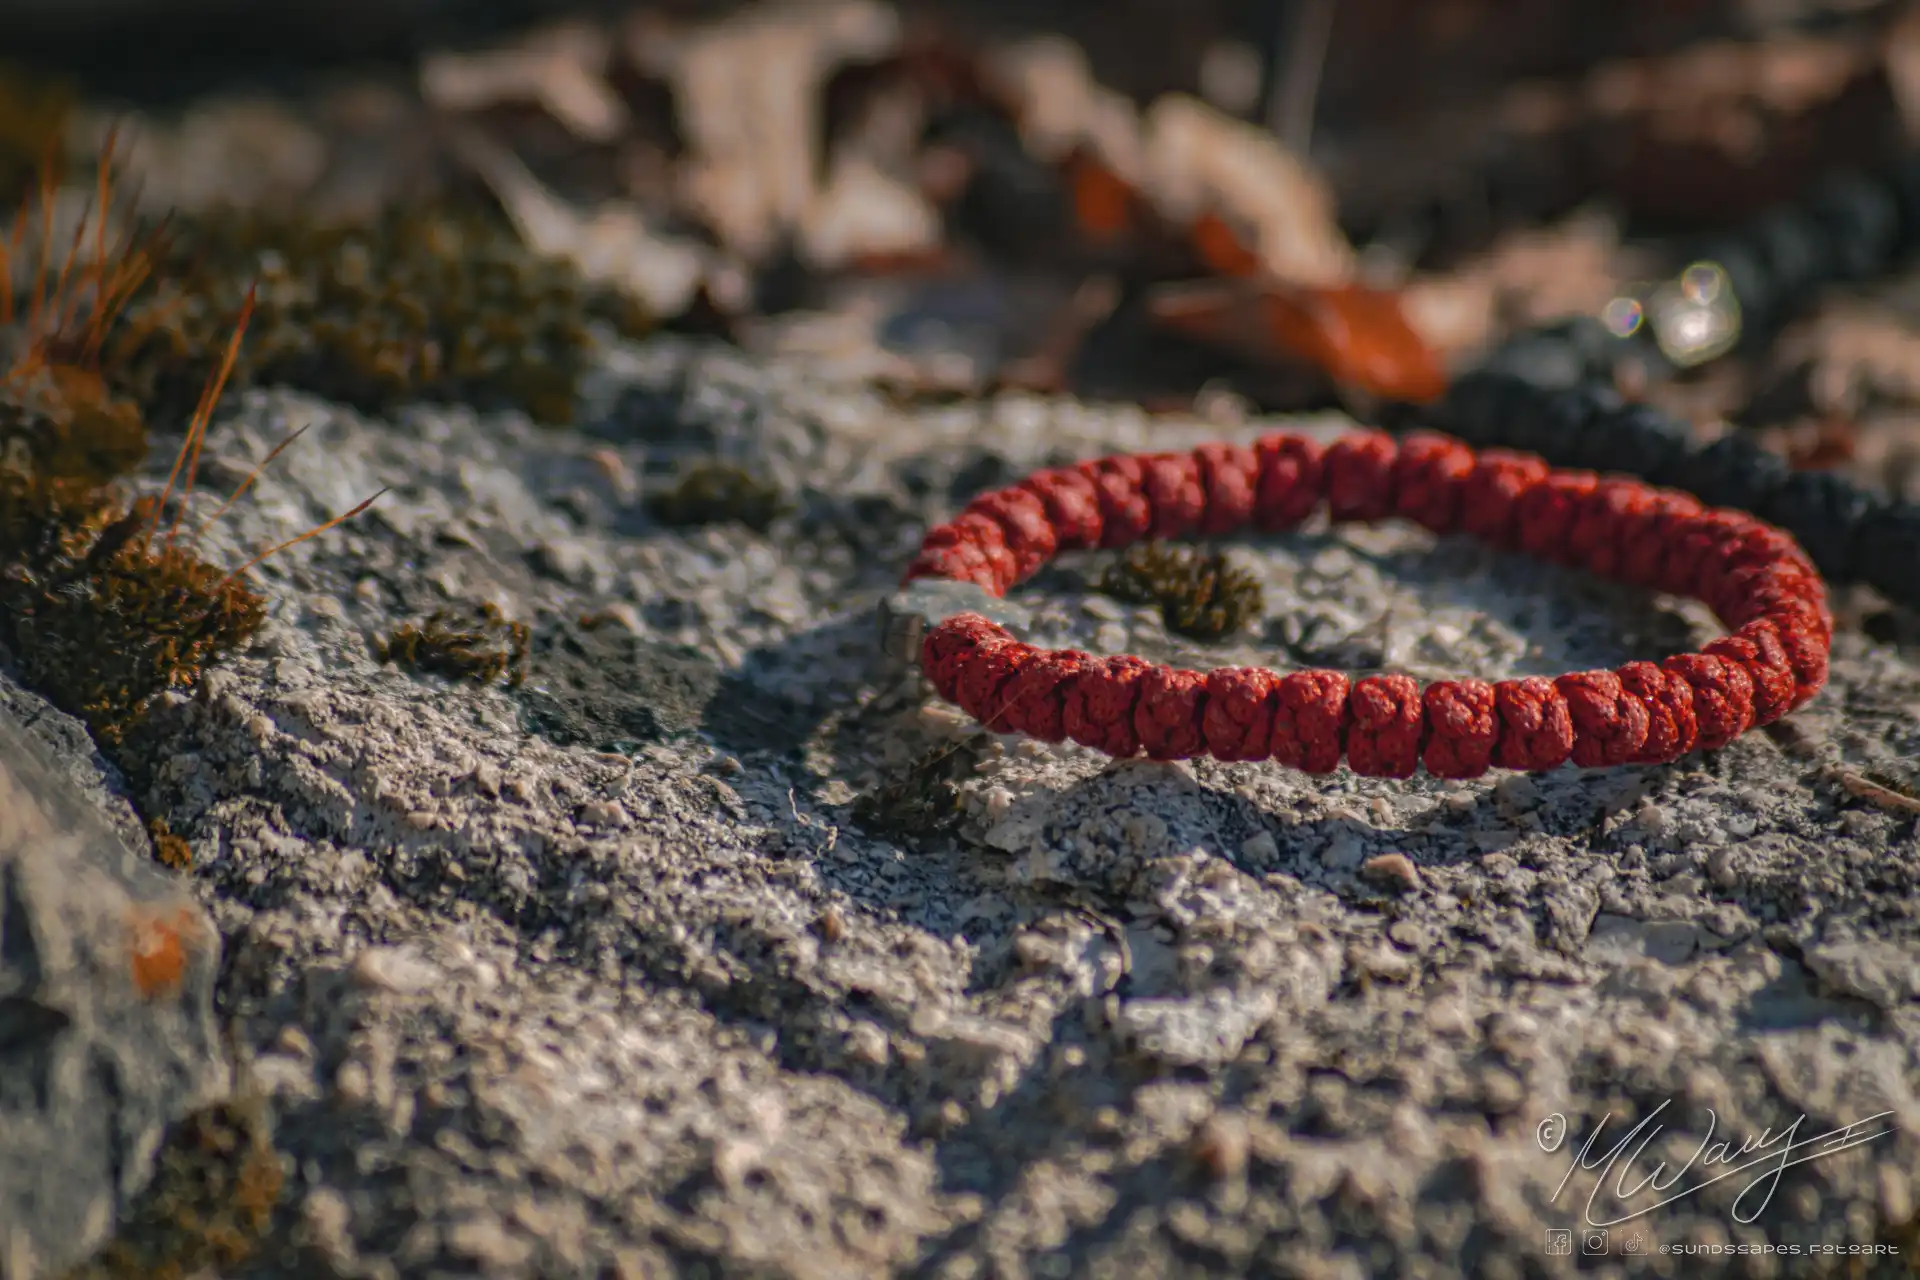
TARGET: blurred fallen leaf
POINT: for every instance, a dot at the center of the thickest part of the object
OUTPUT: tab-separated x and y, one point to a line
749	96
1186	157
1199	161
863	213
613	245
1358	336
562	68
1061	108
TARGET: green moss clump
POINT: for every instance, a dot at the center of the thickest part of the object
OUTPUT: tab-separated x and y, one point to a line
413	305
210	1205
923	801
488	647
103	604
100	609
718	492
1200	593
60	421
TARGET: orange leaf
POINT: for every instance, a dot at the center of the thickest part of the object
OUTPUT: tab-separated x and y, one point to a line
1104	206
1359	337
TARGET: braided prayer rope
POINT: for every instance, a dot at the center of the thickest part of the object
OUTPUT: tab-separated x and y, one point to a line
1752	575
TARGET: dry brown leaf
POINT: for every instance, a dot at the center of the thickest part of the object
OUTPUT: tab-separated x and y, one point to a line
1199	159
561	68
1185	156
749	93
1061	107
613	244
863	211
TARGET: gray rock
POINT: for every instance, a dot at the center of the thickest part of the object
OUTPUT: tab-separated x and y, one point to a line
630	986
1207	1031
1882	971
107	1034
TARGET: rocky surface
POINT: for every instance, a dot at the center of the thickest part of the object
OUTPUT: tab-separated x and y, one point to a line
614	974
107	970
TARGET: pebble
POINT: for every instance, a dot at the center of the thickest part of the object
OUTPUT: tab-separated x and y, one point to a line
1259	847
1343	852
832	925
325	1217
293	1041
397	969
867	1042
1393	871
1859	822
1222	1147
600	813
486	1241
1405	933
352	1084
1517	794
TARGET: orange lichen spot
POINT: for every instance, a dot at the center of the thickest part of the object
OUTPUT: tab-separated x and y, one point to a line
169	848
161	945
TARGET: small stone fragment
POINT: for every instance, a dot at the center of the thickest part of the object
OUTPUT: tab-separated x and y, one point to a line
396	969
1394	871
1221	1147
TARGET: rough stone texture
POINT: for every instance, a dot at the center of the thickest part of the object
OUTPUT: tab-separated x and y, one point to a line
605	977
107	968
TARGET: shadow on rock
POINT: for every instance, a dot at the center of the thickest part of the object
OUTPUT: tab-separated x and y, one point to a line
607	689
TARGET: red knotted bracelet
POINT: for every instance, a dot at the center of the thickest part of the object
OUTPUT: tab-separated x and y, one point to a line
1752	575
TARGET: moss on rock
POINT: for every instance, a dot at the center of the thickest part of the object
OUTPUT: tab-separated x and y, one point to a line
485	647
216	1186
1199	591
718	493
413	305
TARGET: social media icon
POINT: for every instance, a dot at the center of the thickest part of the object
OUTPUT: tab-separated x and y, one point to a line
1593	1242
1559	1243
1636	1244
